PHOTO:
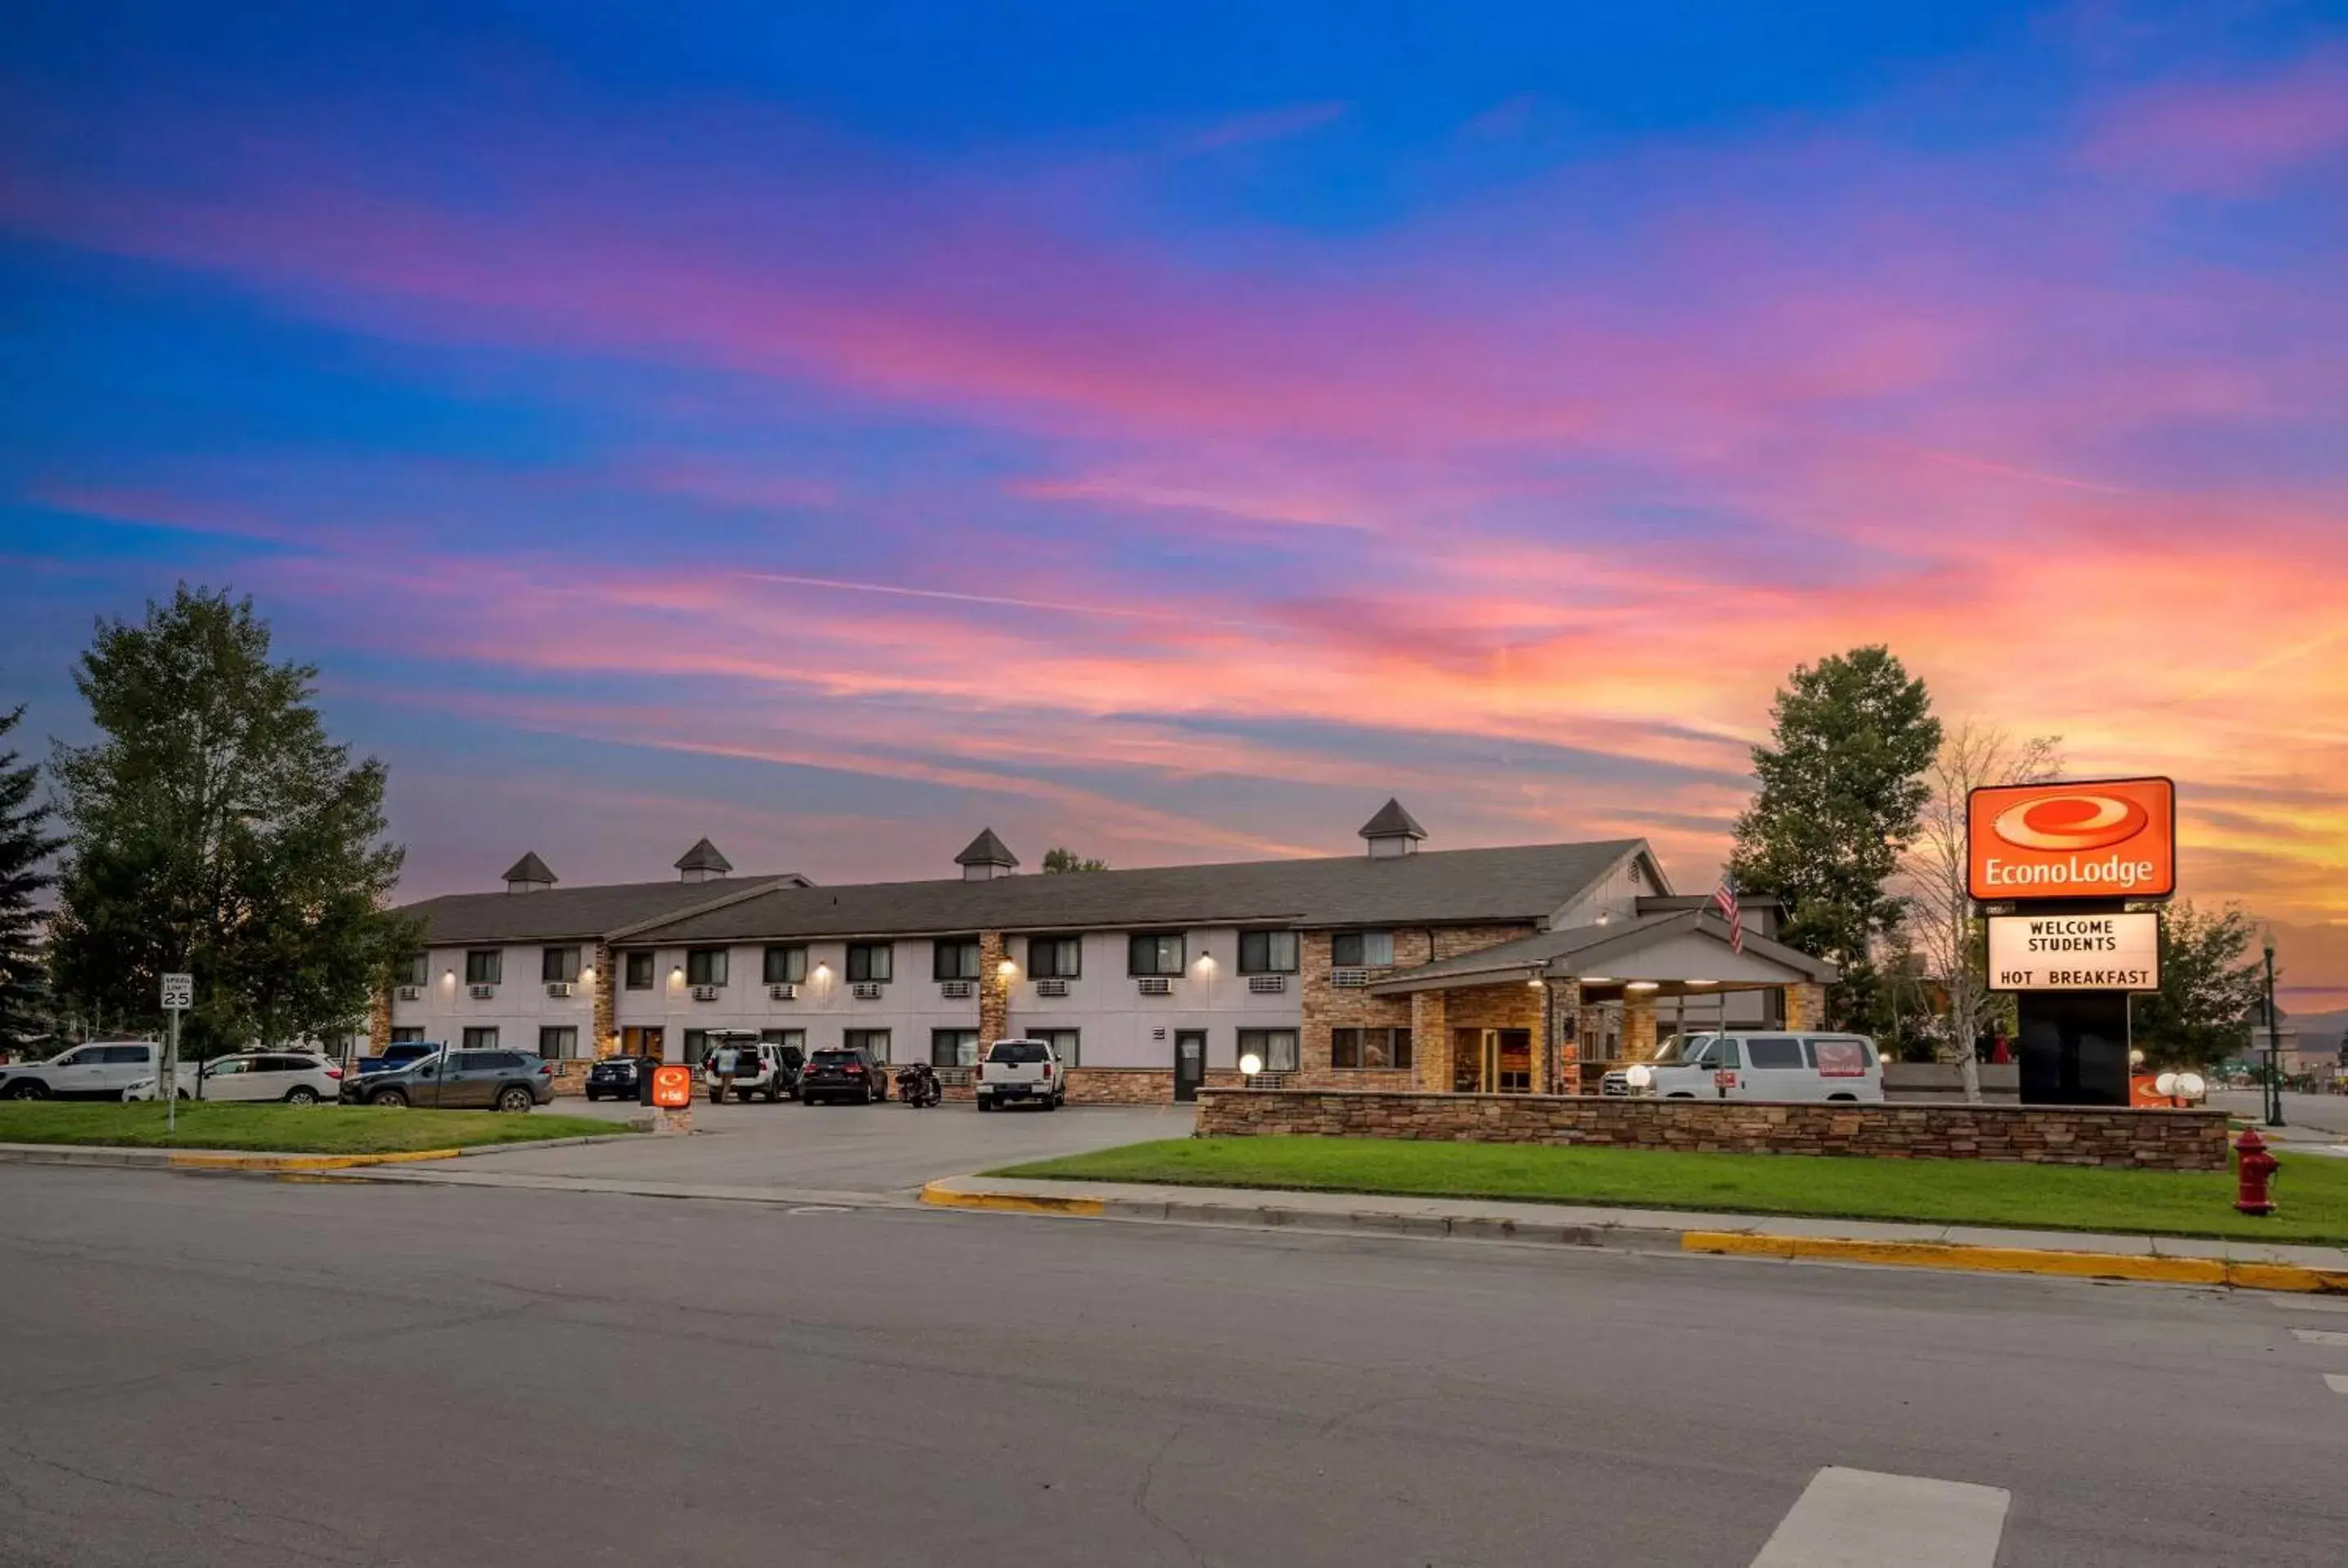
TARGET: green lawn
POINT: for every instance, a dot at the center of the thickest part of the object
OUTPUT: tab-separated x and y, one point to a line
2312	1192
282	1129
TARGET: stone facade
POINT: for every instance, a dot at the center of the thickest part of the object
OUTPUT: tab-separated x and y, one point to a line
378	1022
2038	1135
1806	1007
603	1030
1324	1006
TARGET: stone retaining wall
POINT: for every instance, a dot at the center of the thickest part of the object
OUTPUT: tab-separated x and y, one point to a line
2039	1135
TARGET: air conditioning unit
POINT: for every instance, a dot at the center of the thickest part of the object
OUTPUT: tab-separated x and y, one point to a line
1267	985
866	990
707	993
558	989
1051	988
484	993
786	993
1155	985
954	990
411	993
1349	977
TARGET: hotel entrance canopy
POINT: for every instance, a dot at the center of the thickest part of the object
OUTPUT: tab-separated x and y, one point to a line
1684	952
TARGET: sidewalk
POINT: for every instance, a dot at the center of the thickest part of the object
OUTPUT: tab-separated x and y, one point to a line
2179	1260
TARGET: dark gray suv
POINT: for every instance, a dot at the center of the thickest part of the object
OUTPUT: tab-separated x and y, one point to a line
462	1080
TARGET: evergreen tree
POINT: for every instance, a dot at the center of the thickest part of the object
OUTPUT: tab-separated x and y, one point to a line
25	847
215	828
1842	791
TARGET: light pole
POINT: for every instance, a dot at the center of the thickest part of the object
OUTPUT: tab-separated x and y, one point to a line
2274	1044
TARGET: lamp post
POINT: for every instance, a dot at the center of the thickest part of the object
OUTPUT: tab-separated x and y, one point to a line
2274	1044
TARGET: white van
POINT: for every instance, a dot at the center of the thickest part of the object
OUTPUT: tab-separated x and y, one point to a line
1756	1064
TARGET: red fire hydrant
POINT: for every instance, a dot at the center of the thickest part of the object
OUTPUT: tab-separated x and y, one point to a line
2258	1168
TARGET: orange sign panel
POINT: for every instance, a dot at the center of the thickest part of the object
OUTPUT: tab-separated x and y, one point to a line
671	1087
2102	838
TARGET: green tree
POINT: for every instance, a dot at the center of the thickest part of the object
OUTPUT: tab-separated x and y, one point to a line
26	847
215	828
2212	990
1059	859
1842	793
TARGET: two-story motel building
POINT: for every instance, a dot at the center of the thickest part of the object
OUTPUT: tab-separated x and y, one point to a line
1478	970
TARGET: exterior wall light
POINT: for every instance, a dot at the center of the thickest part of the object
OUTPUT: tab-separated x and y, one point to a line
1251	1064
1640	986
1535	982
1699	982
676	975
1206	961
448	978
587	976
1006	968
1598	980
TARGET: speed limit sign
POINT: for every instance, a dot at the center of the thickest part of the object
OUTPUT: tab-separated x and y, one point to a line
179	992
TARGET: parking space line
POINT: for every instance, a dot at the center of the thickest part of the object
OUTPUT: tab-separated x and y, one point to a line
2320	1336
1860	1519
2336	1381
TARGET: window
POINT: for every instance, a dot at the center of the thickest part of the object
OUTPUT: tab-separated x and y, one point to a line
1063	1042
415	969
408	1036
792	1042
705	967
953	1047
1775	1051
874	1041
1154	955
1267	952
637	1040
640	971
1361	949
1719	1054
1055	958
872	961
484	966
556	964
481	1039
956	959
228	1067
1369	1047
558	1043
785	966
1849	1057
1276	1046
1015	1053
697	1046
125	1053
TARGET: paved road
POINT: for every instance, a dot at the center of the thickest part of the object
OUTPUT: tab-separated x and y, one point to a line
2321	1112
840	1148
228	1371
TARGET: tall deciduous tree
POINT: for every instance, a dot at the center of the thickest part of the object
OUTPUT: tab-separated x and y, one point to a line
2211	985
26	847
1947	935
216	828
1841	791
1059	858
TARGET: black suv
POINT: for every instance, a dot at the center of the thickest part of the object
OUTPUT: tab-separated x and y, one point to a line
843	1072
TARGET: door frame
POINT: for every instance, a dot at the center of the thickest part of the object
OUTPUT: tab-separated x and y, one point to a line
1195	1085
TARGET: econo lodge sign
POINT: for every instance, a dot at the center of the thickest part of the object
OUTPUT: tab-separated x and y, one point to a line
2102	838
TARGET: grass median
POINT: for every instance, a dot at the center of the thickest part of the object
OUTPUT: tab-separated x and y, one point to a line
284	1128
2312	1192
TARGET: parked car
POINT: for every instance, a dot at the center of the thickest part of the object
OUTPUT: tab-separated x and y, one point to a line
617	1076
751	1066
1756	1064
462	1080
398	1053
843	1072
1019	1072
101	1070
293	1076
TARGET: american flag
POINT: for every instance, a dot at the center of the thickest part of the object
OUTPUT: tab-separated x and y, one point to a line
1725	902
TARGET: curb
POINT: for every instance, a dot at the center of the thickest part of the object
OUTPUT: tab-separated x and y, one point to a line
135	1158
2144	1268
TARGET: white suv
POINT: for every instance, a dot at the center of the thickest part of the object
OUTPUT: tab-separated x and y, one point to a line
1754	1065
292	1076
99	1070
1019	1072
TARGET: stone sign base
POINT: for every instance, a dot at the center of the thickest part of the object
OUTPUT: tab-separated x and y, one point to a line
2028	1134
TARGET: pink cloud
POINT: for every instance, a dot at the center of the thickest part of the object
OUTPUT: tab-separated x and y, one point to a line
2229	136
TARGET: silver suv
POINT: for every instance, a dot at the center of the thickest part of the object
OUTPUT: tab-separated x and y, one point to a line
99	1070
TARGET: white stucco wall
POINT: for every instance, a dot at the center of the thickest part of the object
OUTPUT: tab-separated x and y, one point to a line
447	1008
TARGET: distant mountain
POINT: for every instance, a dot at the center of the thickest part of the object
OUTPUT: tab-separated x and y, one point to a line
2320	1030
2312	957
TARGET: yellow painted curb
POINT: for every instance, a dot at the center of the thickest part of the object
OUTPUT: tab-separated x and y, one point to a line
2023	1260
304	1162
945	1197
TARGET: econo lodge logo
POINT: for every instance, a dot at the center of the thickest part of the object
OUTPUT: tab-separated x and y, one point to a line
2100	839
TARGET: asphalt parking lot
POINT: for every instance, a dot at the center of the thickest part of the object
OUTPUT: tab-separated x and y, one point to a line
889	1148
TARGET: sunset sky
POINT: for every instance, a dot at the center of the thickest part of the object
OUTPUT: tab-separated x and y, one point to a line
835	428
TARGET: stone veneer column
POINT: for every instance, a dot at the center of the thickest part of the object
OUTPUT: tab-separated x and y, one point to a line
1806	1007
378	1022
603	1015
1430	1042
994	990
1638	1026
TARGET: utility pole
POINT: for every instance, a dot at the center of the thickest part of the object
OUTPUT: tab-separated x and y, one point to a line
2274	1044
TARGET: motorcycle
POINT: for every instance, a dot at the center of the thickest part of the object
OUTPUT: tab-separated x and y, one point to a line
918	1086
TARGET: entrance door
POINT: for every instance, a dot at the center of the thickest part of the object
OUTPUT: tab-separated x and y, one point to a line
1510	1067
1468	1061
1190	1062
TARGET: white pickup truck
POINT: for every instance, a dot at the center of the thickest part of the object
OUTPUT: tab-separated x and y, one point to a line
1019	1072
